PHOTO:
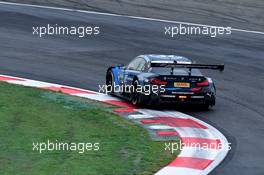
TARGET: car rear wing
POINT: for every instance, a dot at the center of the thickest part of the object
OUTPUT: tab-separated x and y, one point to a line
187	65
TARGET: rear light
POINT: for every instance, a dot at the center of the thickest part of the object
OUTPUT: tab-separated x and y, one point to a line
204	83
156	81
196	89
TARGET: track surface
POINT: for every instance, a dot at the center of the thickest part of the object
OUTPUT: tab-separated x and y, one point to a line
82	63
245	14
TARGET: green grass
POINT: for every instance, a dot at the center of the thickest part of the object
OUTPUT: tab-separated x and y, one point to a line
29	115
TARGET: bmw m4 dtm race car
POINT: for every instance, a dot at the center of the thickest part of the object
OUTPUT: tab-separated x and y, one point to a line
156	79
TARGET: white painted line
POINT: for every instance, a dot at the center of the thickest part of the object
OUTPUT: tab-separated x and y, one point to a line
163	113
159	127
97	97
177	114
32	83
139	116
40	84
128	16
195	132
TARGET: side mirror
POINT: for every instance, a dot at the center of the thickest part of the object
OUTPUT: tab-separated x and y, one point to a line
121	66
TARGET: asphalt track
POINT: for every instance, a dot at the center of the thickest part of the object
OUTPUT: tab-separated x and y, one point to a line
82	63
245	14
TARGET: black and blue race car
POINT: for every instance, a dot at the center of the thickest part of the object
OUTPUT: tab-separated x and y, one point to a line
156	79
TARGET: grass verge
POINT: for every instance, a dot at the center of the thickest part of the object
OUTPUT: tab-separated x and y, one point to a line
30	115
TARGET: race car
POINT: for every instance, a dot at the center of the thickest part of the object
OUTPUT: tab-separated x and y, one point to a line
156	79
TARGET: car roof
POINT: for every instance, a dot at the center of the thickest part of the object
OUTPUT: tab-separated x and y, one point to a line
156	57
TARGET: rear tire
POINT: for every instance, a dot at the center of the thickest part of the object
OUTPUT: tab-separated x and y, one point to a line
205	106
136	97
154	104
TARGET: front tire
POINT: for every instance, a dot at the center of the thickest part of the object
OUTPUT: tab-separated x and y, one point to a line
110	81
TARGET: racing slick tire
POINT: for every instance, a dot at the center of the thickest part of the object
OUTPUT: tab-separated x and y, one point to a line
136	97
153	101
110	81
205	106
